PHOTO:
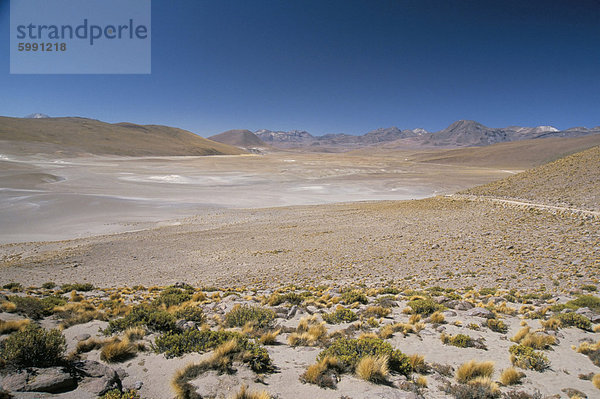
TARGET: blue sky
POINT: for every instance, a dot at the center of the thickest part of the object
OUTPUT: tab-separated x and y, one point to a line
340	66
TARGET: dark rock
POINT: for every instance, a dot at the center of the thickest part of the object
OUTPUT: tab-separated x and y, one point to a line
459	305
480	312
99	378
52	379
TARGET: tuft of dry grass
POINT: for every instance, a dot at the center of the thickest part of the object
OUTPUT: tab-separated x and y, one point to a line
511	376
487	383
134	333
596	380
8	307
89	344
417	362
308	334
270	337
374	369
7	327
551	324
320	373
421	381
437	318
118	350
75	297
245	394
415	318
538	341
521	334
472	369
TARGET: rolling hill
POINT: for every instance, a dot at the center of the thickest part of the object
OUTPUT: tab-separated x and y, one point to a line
239	138
572	181
81	135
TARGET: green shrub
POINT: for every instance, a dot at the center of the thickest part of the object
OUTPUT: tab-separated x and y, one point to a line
36	308
143	315
458	340
33	347
191	313
349	352
352	296
177	344
172	296
497	325
573	319
527	358
589	287
487	291
341	315
589	301
240	315
424	307
77	287
14	287
290	297
49	285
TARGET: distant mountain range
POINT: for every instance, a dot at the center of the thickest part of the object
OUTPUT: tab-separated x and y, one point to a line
241	138
463	133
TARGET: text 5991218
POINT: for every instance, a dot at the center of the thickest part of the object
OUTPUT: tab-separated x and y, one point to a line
42	46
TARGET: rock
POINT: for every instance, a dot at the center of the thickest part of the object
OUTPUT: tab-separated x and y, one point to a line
82	337
595	318
311	309
574	392
449	313
15	382
292	312
51	379
440	329
459	305
99	378
99	386
435	246
585	312
480	312
138	385
441	299
180	284
567	310
496	300
185	325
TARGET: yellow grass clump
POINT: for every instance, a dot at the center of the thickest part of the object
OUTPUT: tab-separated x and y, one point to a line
417	363
374	369
421	381
551	324
270	337
511	376
486	382
472	369
7	327
596	380
8	307
437	318
245	394
521	334
119	350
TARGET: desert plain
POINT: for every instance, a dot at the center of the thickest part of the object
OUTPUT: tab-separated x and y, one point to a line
387	272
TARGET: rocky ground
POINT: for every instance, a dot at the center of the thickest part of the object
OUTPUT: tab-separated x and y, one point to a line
436	331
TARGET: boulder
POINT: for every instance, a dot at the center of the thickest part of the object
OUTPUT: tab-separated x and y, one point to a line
98	378
51	379
292	312
480	312
459	305
15	382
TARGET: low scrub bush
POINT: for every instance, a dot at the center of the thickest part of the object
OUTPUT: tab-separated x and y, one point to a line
240	315
376	311
349	352
177	344
143	315
190	313
117	394
527	358
323	373
172	296
77	287
352	296
341	315
497	325
33	347
511	376
473	369
424	306
573	319
462	341
10	326
36	308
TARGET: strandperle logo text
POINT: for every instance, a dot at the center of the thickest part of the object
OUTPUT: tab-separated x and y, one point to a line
84	31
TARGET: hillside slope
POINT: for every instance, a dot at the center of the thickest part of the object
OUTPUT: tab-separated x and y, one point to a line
76	135
572	181
239	138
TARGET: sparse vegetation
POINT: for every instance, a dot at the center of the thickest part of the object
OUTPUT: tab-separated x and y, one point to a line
424	306
341	315
242	314
473	369
526	358
511	376
143	315
573	319
33	346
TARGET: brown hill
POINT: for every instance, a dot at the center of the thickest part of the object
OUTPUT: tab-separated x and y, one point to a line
239	138
76	135
572	181
513	155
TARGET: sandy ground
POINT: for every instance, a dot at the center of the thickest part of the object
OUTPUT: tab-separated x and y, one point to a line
44	198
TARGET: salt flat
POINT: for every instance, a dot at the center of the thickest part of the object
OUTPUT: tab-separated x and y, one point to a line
46	198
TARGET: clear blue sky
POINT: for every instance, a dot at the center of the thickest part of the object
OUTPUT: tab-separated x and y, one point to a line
340	66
